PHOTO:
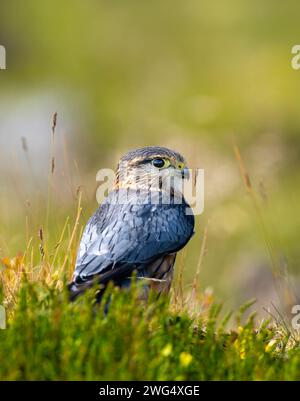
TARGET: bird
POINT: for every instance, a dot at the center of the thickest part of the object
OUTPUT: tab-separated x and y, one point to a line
140	226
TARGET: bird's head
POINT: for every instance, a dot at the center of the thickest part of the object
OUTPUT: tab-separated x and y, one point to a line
152	168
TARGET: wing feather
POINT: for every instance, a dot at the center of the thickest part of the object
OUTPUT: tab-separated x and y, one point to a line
131	234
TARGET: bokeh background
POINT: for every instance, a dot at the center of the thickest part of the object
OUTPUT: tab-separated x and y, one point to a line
196	76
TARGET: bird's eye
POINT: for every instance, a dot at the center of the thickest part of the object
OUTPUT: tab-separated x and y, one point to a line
159	163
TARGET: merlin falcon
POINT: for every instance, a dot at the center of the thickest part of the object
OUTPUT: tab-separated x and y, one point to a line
141	225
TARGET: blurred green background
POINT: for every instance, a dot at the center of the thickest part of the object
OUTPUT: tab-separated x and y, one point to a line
194	76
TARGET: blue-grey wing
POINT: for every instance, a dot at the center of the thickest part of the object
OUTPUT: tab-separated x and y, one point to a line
131	234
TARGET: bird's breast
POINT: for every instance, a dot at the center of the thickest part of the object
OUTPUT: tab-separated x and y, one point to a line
159	274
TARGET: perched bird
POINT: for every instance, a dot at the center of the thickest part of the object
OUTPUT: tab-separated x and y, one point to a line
141	225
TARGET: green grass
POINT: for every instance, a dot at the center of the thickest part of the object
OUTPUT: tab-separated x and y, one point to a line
48	338
186	336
